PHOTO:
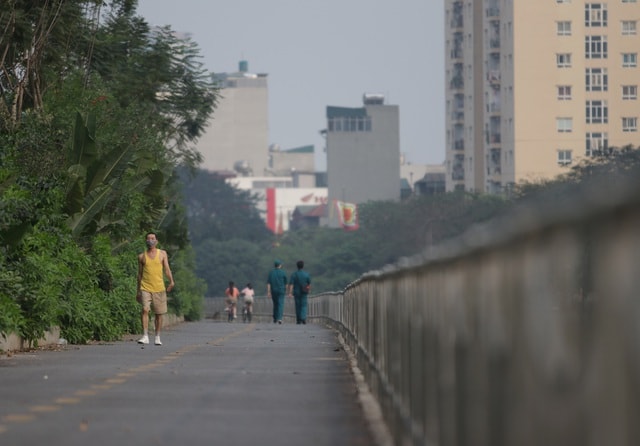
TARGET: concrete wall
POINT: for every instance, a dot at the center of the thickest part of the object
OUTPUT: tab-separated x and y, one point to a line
14	342
365	165
239	129
523	332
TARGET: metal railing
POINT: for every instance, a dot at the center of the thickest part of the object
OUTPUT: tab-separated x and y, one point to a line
525	331
216	308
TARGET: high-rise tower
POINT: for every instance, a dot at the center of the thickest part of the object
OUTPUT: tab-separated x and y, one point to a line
533	87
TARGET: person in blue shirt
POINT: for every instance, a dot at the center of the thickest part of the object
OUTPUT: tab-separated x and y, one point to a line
299	286
276	288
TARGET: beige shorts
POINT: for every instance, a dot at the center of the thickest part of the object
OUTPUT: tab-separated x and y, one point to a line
158	299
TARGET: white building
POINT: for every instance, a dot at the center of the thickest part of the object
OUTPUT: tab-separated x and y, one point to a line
278	198
237	137
363	152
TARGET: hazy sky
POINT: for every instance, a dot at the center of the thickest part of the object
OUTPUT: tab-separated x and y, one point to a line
326	52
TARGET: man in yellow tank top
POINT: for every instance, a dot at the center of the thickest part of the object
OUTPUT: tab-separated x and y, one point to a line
153	265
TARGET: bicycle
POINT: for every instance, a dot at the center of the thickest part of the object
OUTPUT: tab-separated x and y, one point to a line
247	312
231	306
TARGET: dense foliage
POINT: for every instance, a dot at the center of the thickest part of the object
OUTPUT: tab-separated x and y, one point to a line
228	235
232	244
97	111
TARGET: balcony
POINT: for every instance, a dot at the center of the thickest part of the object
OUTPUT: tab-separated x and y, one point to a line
493	12
494	164
493	77
457	115
458	173
457	15
457	82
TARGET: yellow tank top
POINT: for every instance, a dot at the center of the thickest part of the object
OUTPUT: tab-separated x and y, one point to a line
152	278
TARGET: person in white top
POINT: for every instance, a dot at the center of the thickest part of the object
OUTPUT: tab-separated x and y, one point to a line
247	296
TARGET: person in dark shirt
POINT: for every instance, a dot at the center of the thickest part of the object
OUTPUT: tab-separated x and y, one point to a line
299	287
276	288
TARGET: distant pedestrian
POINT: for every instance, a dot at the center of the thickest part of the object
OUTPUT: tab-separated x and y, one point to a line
247	294
153	265
232	294
299	287
276	288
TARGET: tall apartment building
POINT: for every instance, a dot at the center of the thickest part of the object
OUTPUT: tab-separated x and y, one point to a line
534	86
237	137
363	152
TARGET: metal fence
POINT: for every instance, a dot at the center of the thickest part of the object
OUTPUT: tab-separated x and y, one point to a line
216	308
523	332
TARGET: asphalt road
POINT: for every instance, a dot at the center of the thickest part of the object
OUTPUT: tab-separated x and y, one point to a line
210	383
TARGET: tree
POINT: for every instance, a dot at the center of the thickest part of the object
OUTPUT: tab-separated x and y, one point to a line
226	230
601	172
34	37
161	69
218	211
88	149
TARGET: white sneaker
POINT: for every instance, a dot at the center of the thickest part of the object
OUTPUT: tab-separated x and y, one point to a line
143	340
158	341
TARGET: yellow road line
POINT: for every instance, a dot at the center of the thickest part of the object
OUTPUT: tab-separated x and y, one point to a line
86	392
67	400
110	382
18	417
49	408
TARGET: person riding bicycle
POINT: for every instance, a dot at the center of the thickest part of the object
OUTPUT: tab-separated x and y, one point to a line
247	298
232	294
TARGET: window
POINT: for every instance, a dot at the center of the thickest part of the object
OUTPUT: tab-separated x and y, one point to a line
629	92
564	92
564	157
597	79
595	14
564	28
597	143
349	124
597	112
595	47
563	60
629	60
563	1
628	27
564	125
625	1
629	124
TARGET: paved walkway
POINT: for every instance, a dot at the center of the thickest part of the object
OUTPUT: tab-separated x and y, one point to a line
210	383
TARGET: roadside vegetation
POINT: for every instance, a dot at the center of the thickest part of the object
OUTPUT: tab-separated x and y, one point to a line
97	111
